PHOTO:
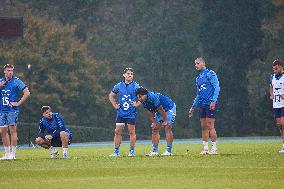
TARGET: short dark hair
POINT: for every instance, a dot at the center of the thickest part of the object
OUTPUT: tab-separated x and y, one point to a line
278	62
45	108
128	69
141	91
8	66
200	59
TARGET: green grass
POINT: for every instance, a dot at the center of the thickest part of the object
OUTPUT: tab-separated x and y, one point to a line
239	165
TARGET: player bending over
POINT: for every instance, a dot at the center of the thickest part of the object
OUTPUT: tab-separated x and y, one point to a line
162	112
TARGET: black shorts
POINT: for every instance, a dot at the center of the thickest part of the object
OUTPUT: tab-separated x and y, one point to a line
121	120
278	112
56	142
205	112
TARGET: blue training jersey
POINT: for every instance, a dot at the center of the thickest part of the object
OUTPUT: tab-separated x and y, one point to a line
154	100
10	93
52	127
126	96
207	88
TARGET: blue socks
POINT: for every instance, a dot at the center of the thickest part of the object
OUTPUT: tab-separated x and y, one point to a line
116	150
169	148
131	150
155	148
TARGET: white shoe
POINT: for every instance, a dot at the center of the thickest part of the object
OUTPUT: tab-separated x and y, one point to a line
12	156
131	154
6	157
213	152
114	154
54	155
281	151
204	152
166	153
152	154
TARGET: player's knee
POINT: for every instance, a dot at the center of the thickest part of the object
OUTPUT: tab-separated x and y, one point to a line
155	131
168	129
118	131
131	133
39	140
63	135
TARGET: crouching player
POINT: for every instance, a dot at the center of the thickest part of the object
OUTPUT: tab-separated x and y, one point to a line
53	133
162	112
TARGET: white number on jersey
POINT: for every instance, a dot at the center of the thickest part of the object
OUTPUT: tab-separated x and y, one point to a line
125	106
5	100
278	90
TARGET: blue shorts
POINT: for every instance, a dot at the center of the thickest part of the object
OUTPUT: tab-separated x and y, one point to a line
8	118
56	142
123	121
278	112
205	112
171	115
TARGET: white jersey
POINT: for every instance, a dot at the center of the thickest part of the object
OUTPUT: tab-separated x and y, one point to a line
278	90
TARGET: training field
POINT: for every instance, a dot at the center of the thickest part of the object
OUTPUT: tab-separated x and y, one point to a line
239	165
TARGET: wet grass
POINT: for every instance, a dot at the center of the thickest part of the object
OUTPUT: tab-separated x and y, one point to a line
238	165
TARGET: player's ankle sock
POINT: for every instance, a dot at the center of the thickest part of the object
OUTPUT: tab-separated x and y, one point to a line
131	149
169	148
214	145
155	148
116	150
205	145
13	150
7	149
52	150
65	150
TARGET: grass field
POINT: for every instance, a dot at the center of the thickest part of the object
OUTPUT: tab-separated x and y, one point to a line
239	165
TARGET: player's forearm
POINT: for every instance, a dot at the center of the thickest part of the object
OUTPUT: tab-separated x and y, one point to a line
151	116
163	113
112	99
270	90
25	96
215	83
194	103
216	93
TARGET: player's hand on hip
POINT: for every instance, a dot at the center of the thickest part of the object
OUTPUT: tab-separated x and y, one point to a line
14	103
271	97
117	106
136	104
190	112
212	105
